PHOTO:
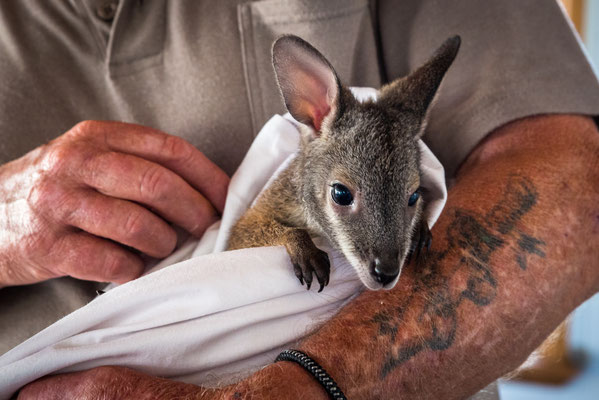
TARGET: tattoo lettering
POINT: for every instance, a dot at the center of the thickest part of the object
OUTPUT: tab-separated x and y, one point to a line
472	240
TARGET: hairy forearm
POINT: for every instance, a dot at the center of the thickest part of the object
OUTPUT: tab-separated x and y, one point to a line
514	252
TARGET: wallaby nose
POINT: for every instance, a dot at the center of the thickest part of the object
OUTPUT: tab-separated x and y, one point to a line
383	272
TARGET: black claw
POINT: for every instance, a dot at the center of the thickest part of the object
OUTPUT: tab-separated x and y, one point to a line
311	263
411	252
421	243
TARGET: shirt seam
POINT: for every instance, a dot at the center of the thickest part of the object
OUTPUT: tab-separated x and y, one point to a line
98	39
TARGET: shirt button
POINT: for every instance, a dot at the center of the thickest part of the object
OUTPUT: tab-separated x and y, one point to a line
107	10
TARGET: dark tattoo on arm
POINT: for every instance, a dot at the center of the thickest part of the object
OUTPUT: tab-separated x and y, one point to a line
472	240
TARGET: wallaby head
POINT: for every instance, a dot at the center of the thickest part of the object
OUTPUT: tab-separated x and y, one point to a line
359	174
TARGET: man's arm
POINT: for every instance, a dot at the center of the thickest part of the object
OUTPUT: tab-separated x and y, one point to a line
514	252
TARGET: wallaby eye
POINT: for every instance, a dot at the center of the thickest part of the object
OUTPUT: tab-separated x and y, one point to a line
414	198
341	195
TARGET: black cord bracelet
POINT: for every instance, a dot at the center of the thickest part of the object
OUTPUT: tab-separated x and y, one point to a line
315	369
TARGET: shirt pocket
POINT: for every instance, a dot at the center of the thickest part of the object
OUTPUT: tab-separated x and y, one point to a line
341	30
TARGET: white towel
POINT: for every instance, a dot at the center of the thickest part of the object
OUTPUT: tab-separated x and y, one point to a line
211	317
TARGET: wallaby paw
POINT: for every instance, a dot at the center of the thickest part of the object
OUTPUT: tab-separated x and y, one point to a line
307	261
422	239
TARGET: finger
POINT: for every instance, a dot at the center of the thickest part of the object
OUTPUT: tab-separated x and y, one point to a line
132	178
83	256
119	220
170	151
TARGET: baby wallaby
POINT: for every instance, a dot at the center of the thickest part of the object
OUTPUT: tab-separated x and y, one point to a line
356	178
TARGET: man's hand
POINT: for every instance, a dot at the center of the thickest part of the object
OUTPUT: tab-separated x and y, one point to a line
84	204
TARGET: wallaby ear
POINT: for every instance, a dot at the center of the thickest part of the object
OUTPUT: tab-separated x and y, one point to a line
417	91
308	83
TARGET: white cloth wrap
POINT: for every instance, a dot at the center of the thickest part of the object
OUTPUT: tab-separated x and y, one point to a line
211	317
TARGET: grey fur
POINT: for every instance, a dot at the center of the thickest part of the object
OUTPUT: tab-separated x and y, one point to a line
369	147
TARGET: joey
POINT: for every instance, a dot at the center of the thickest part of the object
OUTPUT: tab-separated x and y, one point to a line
356	178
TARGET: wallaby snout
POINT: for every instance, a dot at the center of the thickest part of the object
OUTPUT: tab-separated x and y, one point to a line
385	269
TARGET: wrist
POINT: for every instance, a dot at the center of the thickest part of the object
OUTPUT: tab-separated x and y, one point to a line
282	380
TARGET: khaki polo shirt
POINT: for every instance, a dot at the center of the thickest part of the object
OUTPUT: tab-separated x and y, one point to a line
201	70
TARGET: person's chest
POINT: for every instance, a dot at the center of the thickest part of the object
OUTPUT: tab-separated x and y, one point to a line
197	69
